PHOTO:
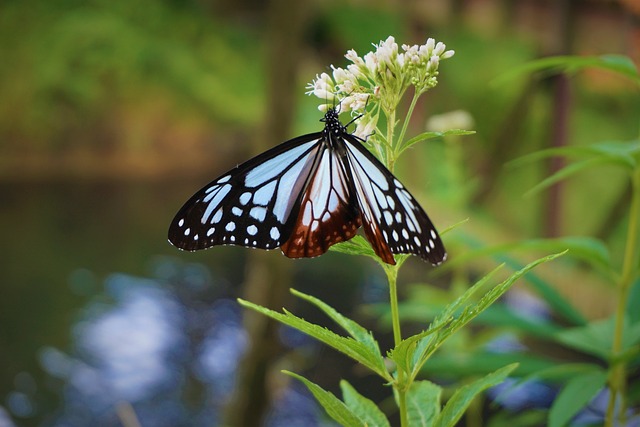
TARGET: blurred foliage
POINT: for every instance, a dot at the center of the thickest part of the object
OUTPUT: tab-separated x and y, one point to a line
70	66
105	75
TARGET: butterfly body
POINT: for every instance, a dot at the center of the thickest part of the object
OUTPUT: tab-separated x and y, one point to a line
306	195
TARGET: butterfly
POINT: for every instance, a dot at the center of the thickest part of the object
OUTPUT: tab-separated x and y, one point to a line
306	195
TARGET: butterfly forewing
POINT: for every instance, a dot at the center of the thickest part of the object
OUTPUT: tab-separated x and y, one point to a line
393	220
251	204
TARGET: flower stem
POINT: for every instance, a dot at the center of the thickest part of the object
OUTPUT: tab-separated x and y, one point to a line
412	106
400	386
390	154
618	378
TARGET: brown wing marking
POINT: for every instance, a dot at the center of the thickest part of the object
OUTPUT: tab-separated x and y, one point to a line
328	212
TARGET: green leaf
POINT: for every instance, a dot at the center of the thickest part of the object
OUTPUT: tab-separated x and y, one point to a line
574	396
561	372
588	249
363	408
621	152
431	343
431	135
479	362
403	353
356	246
334	406
348	346
423	403
596	338
499	315
462	398
619	64
356	331
359	246
591	339
565	173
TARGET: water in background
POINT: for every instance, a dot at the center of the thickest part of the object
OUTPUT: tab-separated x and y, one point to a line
97	309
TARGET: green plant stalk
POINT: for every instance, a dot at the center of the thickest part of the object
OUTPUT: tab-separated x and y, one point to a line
405	125
399	385
618	377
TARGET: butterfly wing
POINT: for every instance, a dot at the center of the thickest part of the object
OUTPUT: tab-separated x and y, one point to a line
392	219
250	205
328	211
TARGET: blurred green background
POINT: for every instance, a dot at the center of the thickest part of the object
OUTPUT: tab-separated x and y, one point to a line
112	113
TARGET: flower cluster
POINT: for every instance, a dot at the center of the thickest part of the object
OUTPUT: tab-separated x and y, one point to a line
381	76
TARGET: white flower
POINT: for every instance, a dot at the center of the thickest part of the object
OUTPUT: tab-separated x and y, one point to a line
359	101
387	51
439	49
366	127
458	119
371	62
429	45
432	65
447	54
339	75
322	87
352	56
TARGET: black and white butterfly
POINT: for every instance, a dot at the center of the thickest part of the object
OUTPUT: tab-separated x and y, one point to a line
305	195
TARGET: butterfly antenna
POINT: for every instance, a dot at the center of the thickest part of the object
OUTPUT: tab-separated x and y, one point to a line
359	115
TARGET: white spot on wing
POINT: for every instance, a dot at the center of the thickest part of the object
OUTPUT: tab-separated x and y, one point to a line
217	216
245	197
230	226
274	233
252	230
264	194
181	222
258	212
187	231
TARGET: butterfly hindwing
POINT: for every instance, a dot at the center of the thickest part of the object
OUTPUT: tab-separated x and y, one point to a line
393	221
328	211
251	204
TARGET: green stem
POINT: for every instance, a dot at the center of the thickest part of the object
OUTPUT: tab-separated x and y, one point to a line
400	386
618	377
391	124
412	106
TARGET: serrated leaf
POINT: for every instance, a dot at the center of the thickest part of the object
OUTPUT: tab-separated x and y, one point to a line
356	331
347	346
334	407
403	354
423	403
355	246
431	343
574	396
462	398
359	246
365	409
